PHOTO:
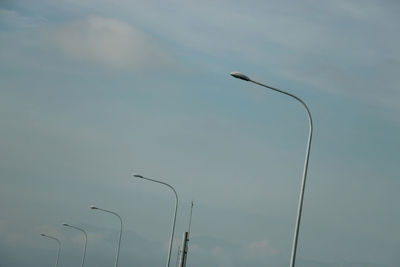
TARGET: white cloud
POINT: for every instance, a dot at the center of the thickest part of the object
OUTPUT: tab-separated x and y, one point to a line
109	42
12	19
217	251
362	10
95	237
344	47
262	247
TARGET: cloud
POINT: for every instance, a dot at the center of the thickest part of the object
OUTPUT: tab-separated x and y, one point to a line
10	19
217	251
262	247
346	48
108	42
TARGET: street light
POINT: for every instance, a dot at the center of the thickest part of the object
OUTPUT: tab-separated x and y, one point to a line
59	246
176	208
241	76
120	232
85	235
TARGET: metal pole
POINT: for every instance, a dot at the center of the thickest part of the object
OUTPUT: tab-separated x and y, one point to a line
120	232
85	235
303	181
59	247
178	256
176	208
185	242
190	218
182	256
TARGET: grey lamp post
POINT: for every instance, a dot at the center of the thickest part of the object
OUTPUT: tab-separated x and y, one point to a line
59	246
120	232
176	208
303	181
85	235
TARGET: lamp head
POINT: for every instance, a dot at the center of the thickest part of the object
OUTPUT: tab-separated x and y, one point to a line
239	76
137	175
93	207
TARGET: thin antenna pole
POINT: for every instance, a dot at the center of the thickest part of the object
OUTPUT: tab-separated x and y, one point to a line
177	258
190	218
185	241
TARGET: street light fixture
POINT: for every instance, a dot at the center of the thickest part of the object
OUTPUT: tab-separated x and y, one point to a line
85	235
176	208
241	76
120	232
59	246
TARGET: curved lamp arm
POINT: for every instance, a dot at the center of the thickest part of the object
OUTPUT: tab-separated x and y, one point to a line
241	76
120	232
85	235
176	208
59	246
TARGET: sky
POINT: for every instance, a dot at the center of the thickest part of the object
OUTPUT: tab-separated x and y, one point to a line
94	90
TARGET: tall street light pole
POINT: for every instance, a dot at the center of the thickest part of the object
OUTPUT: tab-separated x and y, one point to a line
120	232
85	235
303	181
176	208
59	246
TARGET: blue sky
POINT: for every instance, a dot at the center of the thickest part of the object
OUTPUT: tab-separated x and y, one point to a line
91	91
